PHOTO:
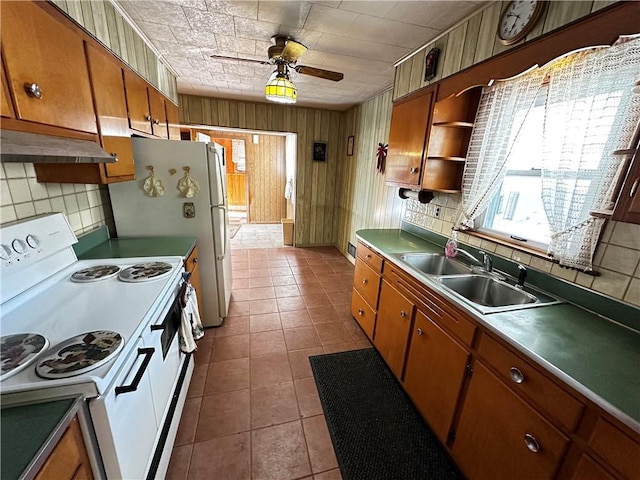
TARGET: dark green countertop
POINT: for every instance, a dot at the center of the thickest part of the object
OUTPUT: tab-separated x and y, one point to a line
25	430
595	355
141	247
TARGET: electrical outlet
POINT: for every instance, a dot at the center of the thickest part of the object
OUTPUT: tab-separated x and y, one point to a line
351	249
188	210
437	212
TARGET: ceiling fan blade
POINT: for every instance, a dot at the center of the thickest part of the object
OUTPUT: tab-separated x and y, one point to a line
249	60
292	51
320	73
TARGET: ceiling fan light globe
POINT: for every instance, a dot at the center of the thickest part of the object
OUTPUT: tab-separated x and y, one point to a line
280	90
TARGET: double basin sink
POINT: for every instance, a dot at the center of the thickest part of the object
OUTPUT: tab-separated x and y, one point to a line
483	291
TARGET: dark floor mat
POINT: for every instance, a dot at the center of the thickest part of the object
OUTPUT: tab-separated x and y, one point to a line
376	431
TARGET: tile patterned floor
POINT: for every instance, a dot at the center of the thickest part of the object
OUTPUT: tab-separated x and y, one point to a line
258	235
253	410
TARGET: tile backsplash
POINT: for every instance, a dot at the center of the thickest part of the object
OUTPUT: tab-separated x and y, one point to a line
617	256
21	196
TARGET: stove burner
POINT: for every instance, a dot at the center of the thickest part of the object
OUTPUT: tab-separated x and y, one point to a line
93	274
80	354
19	350
143	272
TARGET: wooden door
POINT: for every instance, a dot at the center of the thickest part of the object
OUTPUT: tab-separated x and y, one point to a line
137	102
391	336
111	111
265	164
6	105
435	371
410	120
500	436
158	113
39	50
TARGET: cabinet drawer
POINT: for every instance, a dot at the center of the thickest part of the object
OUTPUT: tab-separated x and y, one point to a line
367	282
66	457
363	313
368	255
616	448
588	469
526	379
501	436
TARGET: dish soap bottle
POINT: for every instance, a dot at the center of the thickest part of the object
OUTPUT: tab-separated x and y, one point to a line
451	248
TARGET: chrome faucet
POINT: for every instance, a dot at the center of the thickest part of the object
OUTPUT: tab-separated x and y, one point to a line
468	256
521	276
487	261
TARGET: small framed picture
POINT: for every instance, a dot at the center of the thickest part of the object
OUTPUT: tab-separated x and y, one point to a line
430	64
319	151
350	142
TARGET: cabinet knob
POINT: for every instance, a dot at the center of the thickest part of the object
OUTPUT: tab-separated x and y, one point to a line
147	118
156	121
365	281
115	156
420	332
634	187
360	312
403	313
531	443
33	90
516	375
195	260
414	170
368	255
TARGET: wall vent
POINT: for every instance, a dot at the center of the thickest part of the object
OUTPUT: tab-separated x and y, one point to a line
351	249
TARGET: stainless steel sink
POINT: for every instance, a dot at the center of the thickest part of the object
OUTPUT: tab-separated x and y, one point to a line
489	295
434	264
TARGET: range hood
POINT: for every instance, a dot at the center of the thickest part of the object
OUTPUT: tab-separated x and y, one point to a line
39	148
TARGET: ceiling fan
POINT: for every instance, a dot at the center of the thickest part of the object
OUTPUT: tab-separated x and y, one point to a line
284	55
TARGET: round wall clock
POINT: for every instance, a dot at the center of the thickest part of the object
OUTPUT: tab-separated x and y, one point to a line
518	19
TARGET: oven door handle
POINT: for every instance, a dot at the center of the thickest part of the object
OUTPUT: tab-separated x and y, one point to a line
133	386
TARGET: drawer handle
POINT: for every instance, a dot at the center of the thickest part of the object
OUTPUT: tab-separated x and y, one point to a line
368	255
133	386
516	375
420	332
403	313
33	90
360	312
414	170
634	187
365	281
531	443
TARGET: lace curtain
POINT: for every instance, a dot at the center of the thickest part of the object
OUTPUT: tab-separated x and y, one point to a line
502	110
590	112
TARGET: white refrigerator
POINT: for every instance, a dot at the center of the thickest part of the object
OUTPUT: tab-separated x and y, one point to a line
177	213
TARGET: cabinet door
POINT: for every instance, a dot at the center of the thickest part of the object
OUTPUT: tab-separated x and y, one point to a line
69	457
410	121
363	313
500	436
628	206
111	110
137	102
39	50
158	114
436	366
391	335
367	282
588	469
173	120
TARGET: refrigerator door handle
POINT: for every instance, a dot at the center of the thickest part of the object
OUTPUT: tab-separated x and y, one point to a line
224	238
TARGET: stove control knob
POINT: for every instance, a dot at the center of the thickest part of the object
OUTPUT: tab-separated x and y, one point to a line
33	241
5	252
19	246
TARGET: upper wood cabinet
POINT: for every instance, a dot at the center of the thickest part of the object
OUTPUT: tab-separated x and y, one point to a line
173	119
46	68
451	123
410	121
6	105
146	106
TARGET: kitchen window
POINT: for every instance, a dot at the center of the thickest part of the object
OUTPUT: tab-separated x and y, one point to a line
541	158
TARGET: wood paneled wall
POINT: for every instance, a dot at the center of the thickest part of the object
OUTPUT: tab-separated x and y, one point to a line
315	181
475	40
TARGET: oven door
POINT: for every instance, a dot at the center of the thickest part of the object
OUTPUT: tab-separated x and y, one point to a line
124	418
164	367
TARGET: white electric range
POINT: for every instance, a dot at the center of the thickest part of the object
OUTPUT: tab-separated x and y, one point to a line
103	329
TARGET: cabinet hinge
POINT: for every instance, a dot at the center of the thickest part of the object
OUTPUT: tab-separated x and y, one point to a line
469	370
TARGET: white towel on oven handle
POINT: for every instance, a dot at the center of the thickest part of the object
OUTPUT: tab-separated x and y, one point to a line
190	326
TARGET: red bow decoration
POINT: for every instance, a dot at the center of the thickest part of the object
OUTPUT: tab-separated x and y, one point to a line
382	155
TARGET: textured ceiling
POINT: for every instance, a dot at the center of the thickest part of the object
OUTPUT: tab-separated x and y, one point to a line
362	39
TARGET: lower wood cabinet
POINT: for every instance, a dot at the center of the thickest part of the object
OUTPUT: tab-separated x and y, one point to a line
69	459
363	313
500	436
435	371
191	265
395	315
588	469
